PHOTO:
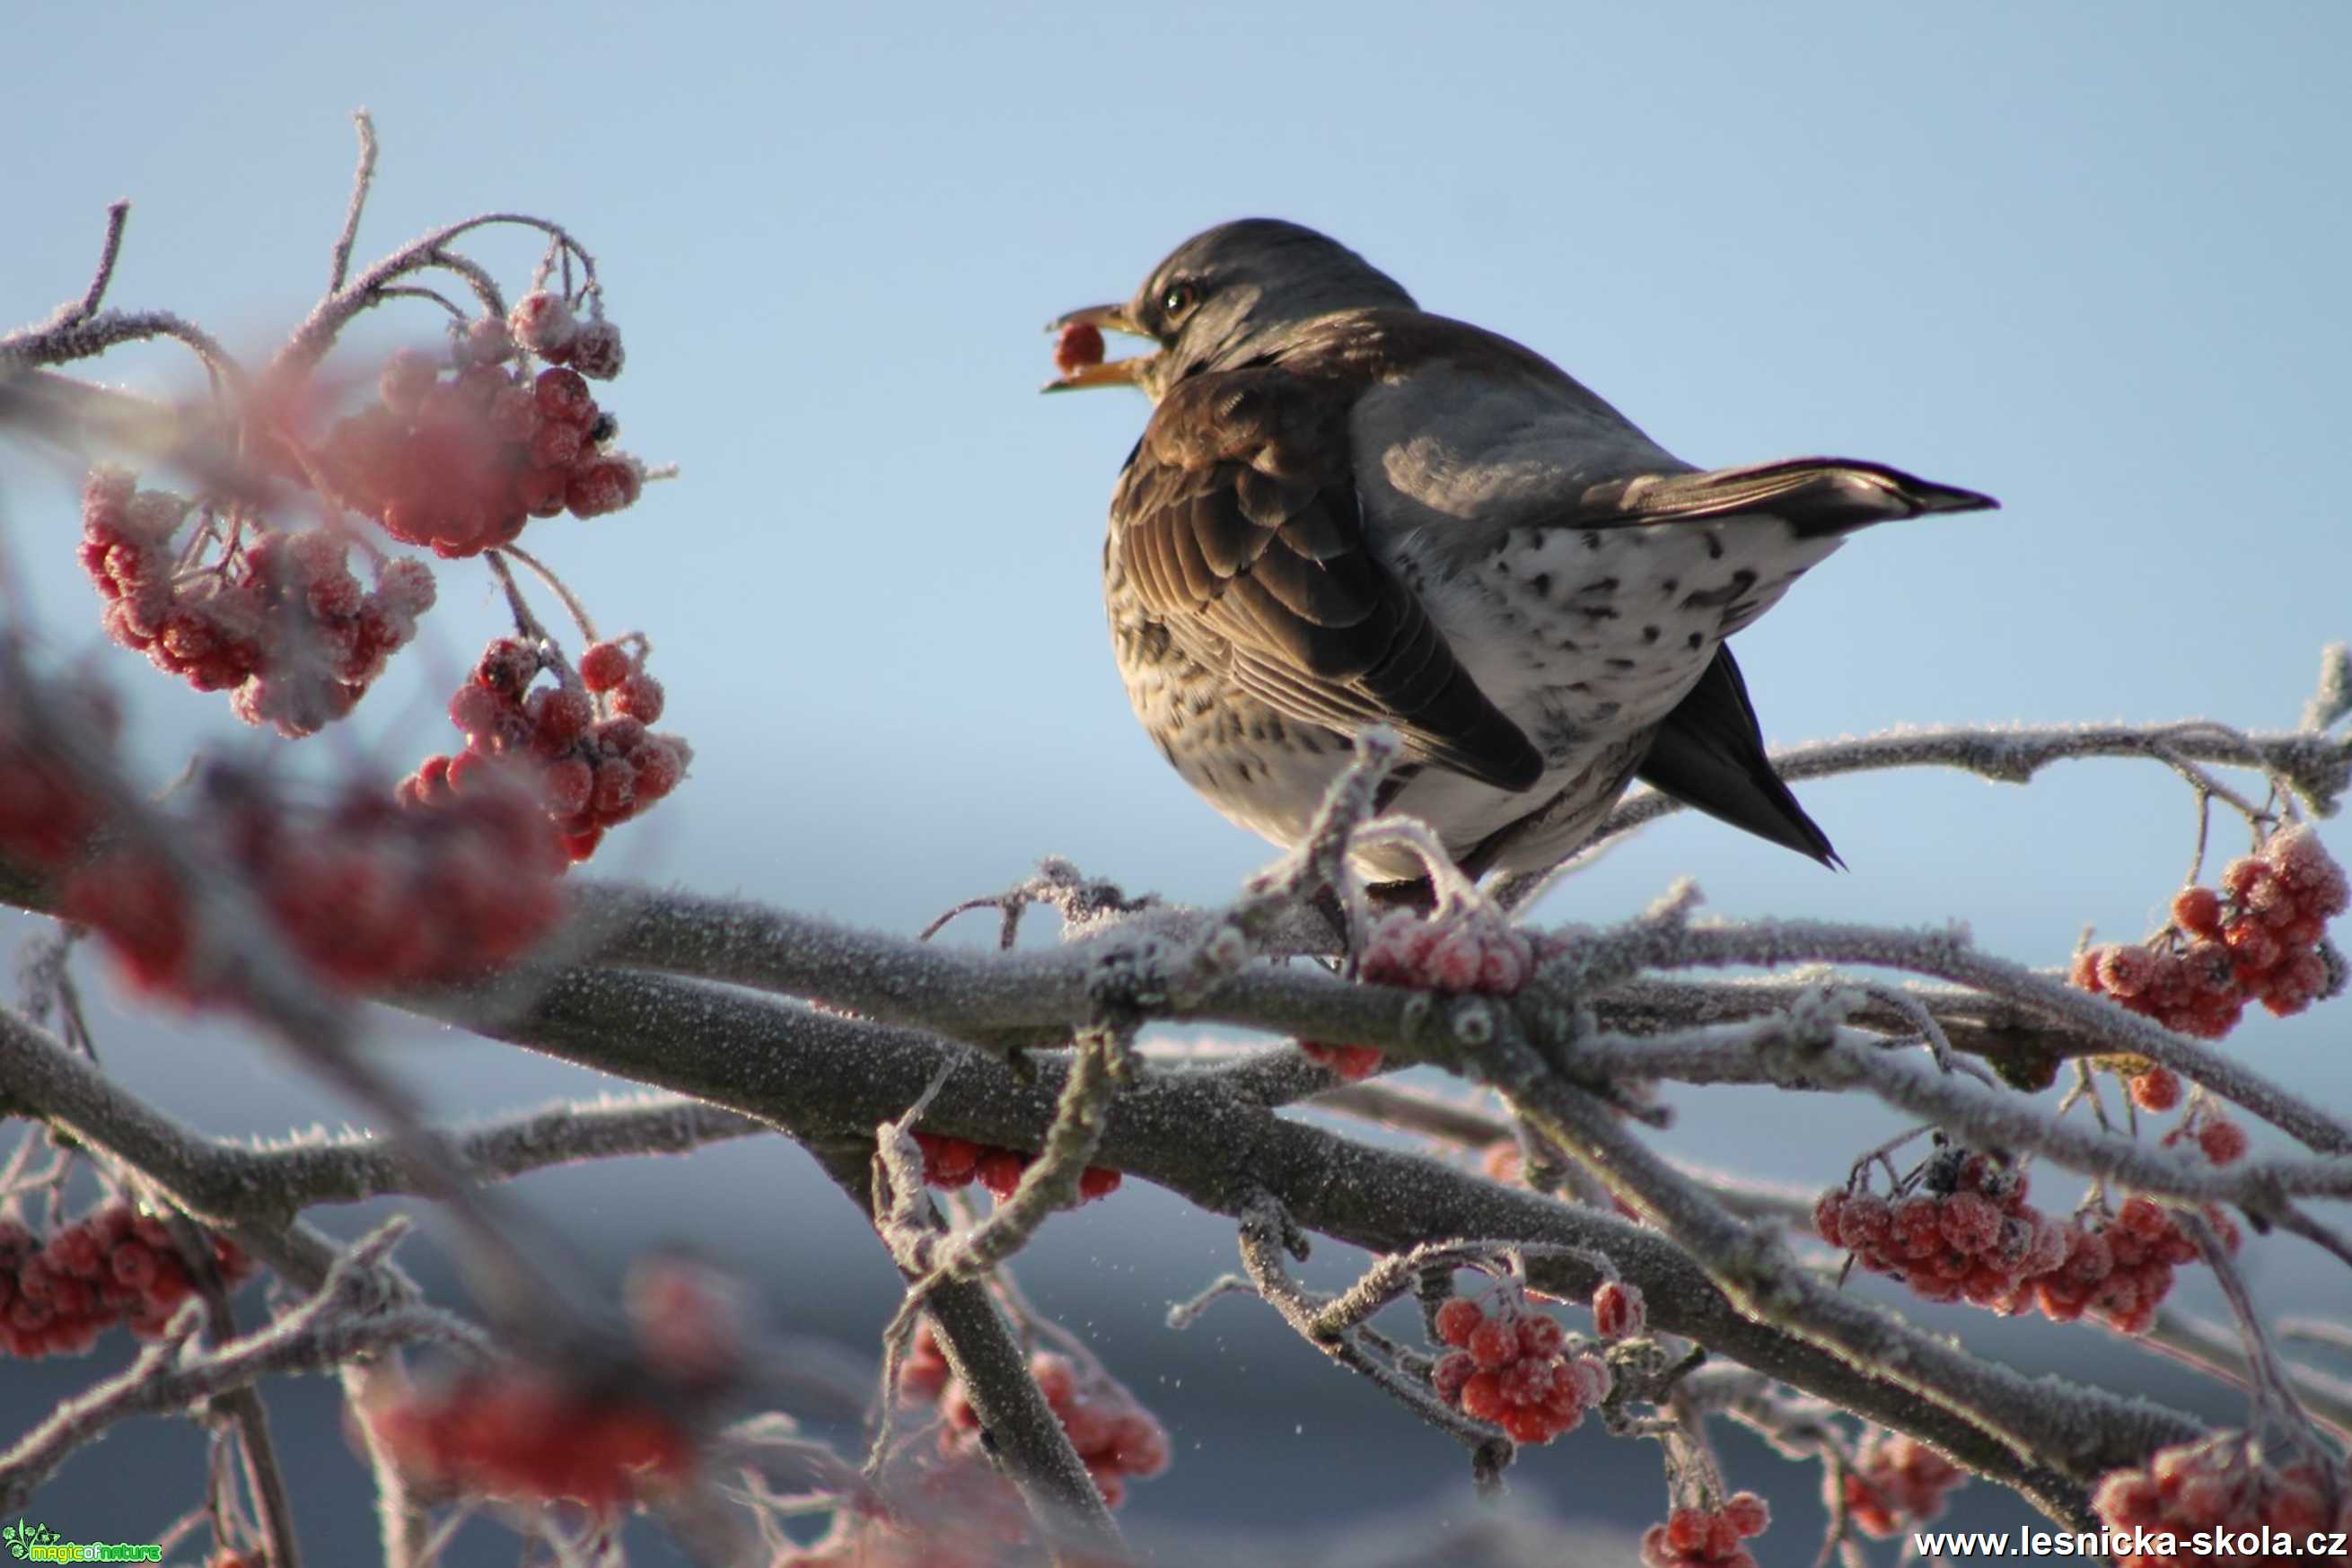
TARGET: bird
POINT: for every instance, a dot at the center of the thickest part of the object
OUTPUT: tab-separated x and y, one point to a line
1346	511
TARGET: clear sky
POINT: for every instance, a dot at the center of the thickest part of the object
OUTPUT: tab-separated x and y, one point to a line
2089	258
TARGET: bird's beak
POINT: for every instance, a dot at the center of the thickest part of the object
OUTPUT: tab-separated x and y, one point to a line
1106	372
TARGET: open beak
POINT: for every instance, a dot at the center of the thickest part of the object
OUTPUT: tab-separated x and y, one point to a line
1108	373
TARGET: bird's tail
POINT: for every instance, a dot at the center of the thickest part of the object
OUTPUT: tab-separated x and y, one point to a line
1709	754
1818	497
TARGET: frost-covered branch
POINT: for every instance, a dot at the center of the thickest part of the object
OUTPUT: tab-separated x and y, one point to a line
820	1075
222	1181
2316	766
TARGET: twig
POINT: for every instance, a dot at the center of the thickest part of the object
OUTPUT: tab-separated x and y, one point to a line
2317	1330
2275	1402
319	331
339	262
2220	1354
554	584
1263	1229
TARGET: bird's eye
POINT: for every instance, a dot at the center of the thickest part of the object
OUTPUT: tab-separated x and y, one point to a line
1178	298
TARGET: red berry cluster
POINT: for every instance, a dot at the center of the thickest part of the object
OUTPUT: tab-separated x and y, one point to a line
2118	1269
45	815
112	1266
582	749
2224	1484
1708	1537
2262	938
461	462
1967	1233
522	1431
1509	1367
368	894
1460	955
280	619
1895	1481
949	1162
513	1431
1117	1438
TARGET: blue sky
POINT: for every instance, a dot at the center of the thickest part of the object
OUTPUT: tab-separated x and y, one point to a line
2087	258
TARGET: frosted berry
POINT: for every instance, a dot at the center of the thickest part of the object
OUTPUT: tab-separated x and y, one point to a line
640	697
543	323
1617	1311
2198	910
2222	1140
563	397
605	666
1457	1319
602	486
2156	1089
596	349
1352	1063
948	1162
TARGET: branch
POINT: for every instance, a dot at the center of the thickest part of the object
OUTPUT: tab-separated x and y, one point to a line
821	1076
1780	1052
221	1182
2318	768
1603	959
319	331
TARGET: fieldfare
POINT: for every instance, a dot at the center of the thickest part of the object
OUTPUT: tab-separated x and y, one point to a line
1346	511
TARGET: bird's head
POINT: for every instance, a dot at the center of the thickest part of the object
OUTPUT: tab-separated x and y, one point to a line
1226	296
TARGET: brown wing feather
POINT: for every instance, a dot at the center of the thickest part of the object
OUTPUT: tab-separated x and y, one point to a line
1238	522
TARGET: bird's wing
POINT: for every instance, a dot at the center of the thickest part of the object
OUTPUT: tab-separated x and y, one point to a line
1709	755
1237	521
1817	496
